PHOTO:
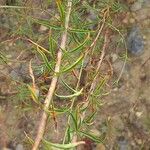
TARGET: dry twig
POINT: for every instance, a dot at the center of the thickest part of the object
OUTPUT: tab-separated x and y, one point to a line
49	96
99	64
93	85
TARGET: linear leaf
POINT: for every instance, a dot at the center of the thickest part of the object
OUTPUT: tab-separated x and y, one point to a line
39	46
74	121
81	45
69	134
92	137
70	96
80	30
73	65
63	146
14	7
33	94
47	24
61	9
67	86
45	59
74	36
90	117
51	45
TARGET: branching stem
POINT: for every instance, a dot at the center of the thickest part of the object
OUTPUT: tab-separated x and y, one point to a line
52	87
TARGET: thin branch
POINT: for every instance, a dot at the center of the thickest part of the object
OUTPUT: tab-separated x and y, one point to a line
31	74
93	84
99	64
89	49
52	87
106	12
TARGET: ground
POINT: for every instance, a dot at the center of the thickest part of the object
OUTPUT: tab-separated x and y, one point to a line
122	119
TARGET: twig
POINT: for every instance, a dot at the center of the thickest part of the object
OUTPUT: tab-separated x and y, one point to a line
99	65
31	74
92	87
49	96
89	49
106	12
145	62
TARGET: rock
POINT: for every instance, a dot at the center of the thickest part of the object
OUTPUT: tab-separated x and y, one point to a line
100	147
118	68
95	132
15	76
130	1
137	5
114	57
135	42
132	20
92	16
10	145
142	15
122	143
19	147
20	73
138	141
139	114
10	2
24	72
43	28
118	123
6	148
146	3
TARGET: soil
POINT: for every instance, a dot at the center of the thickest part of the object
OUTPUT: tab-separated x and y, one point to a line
124	115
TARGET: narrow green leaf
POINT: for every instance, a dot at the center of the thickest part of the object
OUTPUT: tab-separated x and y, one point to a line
63	146
33	94
80	30
74	36
90	118
75	123
51	46
61	9
61	110
48	147
45	59
70	96
92	137
98	90
69	134
84	106
47	24
73	65
67	86
81	45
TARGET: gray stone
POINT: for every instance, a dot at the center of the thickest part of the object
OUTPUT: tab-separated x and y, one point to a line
19	147
137	5
91	16
135	42
118	68
146	3
114	57
122	143
15	76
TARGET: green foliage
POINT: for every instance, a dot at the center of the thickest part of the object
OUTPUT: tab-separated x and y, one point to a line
61	146
23	93
81	33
